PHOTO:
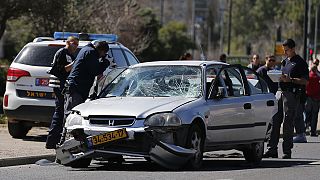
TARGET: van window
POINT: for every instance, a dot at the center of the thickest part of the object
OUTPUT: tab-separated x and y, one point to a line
132	60
37	55
119	57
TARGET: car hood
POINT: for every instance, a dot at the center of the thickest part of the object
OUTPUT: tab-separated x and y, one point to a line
139	107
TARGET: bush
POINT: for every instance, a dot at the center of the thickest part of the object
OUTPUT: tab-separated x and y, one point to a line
3	73
3	118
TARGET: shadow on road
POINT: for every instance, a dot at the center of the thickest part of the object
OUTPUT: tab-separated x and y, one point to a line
38	138
208	165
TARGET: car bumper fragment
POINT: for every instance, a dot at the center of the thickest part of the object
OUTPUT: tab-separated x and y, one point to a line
171	156
167	155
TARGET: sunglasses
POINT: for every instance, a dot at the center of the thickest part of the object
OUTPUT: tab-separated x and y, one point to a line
272	60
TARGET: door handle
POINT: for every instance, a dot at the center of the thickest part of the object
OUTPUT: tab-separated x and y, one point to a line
247	106
270	103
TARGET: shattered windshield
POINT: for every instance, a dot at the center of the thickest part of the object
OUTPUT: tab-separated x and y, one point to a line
157	81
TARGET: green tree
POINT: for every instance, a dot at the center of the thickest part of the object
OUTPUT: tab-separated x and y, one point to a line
174	40
10	9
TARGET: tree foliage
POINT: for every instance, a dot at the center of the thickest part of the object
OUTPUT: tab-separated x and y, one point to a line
256	22
10	9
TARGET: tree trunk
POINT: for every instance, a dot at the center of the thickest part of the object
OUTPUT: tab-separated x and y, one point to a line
2	26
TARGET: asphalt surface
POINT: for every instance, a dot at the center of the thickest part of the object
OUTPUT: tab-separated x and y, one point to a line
30	149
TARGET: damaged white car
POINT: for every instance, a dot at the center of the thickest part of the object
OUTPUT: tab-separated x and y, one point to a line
171	112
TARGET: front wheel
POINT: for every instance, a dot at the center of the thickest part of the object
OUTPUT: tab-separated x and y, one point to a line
195	140
254	153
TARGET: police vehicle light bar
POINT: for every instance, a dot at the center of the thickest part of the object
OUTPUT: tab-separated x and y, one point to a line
85	36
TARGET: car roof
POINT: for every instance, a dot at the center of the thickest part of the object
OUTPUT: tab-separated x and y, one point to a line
63	43
179	62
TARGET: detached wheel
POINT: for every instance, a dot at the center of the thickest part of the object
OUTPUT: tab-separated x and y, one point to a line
254	153
195	140
18	129
81	163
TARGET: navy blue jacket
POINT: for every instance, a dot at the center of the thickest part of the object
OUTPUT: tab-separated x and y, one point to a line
84	70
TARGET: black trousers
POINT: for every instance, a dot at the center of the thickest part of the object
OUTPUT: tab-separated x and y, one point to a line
287	110
56	127
312	110
72	99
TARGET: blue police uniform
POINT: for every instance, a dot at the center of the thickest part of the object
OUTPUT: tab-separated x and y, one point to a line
86	67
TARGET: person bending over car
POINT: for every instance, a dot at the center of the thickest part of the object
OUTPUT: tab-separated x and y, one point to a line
89	63
61	66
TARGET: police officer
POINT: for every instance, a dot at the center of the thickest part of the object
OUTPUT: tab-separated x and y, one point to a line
61	67
89	63
292	83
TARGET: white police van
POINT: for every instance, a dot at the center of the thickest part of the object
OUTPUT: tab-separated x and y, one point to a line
28	100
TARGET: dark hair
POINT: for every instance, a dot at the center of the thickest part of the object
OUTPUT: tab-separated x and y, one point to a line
271	56
290	43
102	46
223	56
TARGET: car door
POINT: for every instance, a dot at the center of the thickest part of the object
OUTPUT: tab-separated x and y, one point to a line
230	116
263	103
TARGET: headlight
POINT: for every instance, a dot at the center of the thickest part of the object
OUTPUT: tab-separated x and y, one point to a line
74	119
163	119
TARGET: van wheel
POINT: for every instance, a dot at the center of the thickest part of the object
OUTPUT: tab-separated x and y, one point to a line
18	129
254	153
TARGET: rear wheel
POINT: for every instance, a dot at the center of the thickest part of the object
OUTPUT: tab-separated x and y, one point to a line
254	153
195	140
18	129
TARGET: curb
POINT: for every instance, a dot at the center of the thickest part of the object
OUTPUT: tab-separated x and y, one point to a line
25	160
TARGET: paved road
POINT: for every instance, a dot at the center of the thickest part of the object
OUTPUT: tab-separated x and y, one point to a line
217	165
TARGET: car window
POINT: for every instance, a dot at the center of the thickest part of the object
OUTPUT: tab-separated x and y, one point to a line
233	82
37	55
132	60
157	81
256	83
211	74
119	57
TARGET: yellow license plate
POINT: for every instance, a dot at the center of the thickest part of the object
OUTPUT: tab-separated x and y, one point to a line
109	136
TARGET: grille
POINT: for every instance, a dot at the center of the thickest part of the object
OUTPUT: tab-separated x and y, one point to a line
112	121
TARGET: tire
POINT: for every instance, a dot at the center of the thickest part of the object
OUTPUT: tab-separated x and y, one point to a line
81	163
195	140
254	153
18	129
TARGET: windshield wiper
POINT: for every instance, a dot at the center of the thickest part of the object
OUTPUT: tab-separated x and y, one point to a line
108	96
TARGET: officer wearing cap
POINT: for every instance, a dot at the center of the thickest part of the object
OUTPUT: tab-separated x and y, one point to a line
61	66
293	80
89	63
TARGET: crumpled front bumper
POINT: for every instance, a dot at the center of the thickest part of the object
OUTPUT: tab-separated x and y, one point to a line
167	155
